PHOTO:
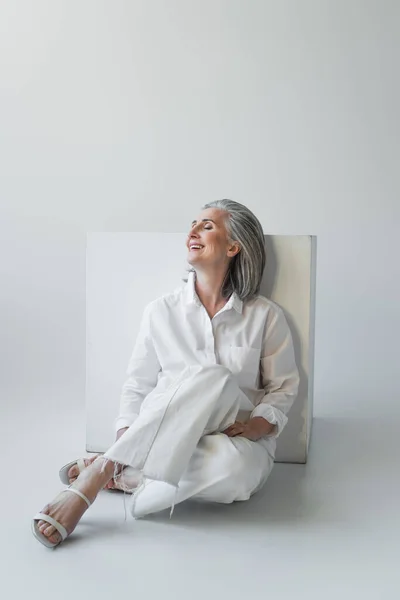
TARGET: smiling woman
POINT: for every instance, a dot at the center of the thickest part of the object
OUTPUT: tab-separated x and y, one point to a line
205	354
236	239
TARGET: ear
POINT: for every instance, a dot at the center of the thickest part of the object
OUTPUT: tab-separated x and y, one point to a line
233	249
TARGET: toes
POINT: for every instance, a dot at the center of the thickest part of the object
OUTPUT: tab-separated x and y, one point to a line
43	524
55	538
49	530
73	472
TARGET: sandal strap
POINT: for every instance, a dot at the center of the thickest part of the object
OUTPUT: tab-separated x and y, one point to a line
61	530
81	464
78	493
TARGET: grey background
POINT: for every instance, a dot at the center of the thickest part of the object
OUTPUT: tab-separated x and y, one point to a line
128	116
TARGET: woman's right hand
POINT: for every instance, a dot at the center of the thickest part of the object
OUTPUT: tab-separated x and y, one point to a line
236	429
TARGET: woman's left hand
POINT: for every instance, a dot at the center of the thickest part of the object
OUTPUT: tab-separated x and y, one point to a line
253	430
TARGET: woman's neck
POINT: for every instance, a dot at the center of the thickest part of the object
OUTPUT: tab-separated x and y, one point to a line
208	286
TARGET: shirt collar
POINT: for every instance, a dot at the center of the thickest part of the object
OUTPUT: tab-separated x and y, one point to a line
192	298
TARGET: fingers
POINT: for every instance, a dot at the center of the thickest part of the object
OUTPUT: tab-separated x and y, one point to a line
228	430
248	434
235	429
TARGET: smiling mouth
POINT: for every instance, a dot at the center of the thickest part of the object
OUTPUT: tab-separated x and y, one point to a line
195	247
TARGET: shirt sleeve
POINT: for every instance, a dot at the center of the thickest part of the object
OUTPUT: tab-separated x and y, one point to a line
143	370
279	373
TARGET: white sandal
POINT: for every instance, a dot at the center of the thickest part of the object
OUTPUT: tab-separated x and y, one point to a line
61	530
80	463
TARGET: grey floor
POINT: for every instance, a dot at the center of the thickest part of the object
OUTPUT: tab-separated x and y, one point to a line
327	530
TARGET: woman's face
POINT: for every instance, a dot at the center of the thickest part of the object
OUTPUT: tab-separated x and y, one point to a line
208	242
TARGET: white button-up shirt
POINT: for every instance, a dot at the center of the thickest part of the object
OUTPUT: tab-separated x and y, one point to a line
252	339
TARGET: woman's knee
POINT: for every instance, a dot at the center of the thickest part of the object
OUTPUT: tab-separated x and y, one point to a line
225	461
225	481
234	473
235	466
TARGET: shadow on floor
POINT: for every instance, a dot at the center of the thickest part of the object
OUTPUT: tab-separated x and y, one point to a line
348	462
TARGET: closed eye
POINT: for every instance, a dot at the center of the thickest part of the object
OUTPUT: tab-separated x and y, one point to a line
207	225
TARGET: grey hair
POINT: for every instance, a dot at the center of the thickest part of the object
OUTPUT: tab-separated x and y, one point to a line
247	267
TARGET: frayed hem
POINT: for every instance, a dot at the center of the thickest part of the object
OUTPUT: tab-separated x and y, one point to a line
143	480
118	471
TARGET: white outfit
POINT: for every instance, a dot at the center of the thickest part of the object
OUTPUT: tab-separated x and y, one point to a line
190	377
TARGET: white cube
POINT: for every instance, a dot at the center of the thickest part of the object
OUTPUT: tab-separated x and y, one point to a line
125	271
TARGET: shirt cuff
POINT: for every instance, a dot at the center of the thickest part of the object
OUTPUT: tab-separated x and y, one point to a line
272	415
122	422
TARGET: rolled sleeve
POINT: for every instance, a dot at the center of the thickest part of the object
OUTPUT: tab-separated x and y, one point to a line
142	372
272	415
279	373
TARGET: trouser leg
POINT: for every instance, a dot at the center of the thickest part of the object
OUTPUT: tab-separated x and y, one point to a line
162	440
221	469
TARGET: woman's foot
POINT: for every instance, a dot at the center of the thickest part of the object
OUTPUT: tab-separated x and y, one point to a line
67	509
74	472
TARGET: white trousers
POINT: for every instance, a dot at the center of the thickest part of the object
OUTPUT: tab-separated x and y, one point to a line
177	446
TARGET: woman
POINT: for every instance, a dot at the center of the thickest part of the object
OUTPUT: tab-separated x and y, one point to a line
211	380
